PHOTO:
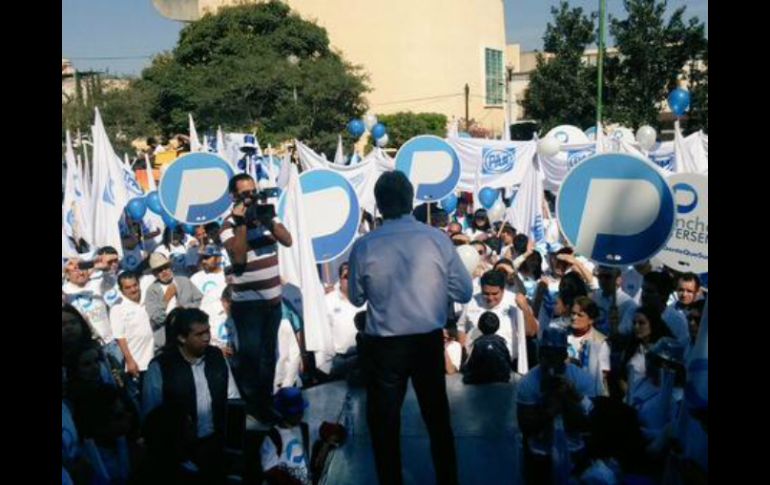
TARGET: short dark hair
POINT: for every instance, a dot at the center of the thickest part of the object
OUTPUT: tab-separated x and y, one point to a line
508	229
687	277
489	323
493	278
342	268
359	320
661	281
572	287
87	334
394	194
520	242
614	270
186	318
106	250
503	261
126	275
587	305
232	186
533	265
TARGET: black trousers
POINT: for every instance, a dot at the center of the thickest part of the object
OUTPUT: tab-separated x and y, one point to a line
388	363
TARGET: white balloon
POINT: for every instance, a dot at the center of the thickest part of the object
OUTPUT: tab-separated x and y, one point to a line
369	121
497	211
646	136
469	257
382	141
548	147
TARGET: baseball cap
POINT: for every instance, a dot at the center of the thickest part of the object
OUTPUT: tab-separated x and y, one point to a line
210	250
288	401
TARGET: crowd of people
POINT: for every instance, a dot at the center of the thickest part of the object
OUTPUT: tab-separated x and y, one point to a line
173	353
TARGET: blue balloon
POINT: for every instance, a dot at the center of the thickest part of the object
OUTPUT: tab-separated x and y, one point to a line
168	220
449	203
487	197
356	128
136	208
153	202
378	130
679	101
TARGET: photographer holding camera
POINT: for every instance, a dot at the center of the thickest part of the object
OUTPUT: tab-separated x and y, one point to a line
250	235
553	388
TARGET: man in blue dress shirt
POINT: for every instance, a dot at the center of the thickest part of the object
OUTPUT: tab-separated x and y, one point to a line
407	273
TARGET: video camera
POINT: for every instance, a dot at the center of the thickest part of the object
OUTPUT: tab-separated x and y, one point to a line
257	208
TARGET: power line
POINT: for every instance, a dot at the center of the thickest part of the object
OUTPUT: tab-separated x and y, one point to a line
420	99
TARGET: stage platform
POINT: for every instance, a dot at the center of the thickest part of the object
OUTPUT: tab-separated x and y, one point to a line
483	420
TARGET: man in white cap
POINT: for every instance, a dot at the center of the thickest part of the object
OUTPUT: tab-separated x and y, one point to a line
166	293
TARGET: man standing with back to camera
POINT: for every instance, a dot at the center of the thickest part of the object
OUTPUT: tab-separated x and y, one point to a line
408	273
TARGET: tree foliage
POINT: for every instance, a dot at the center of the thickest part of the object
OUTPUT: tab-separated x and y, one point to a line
405	125
255	68
562	89
652	55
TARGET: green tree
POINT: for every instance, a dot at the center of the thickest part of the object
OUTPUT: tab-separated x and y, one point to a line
562	89
405	125
652	54
256	68
699	101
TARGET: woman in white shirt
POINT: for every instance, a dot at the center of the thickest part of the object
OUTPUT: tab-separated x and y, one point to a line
649	327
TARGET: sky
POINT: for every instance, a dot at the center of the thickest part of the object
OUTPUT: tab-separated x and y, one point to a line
129	32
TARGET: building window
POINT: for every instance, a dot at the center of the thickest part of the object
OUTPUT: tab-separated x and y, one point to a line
495	80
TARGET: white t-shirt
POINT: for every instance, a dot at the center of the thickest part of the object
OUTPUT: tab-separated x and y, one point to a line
130	321
172	302
455	352
506	311
93	308
105	285
631	283
340	314
576	346
211	285
292	457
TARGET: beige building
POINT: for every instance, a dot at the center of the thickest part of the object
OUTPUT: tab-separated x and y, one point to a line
419	55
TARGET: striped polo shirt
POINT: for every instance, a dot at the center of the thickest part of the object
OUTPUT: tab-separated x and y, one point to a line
260	279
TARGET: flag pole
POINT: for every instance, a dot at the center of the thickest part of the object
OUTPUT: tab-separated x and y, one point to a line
600	62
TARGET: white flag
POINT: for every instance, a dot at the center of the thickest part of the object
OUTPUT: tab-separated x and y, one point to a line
690	153
195	144
109	190
526	211
339	157
75	213
298	269
221	145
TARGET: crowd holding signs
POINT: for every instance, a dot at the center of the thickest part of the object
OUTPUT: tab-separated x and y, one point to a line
207	297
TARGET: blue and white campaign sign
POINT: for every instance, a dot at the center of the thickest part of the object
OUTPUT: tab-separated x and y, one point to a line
433	166
568	135
578	155
194	188
616	209
497	160
332	212
688	248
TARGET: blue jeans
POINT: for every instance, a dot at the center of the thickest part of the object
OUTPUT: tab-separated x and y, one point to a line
113	349
256	325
